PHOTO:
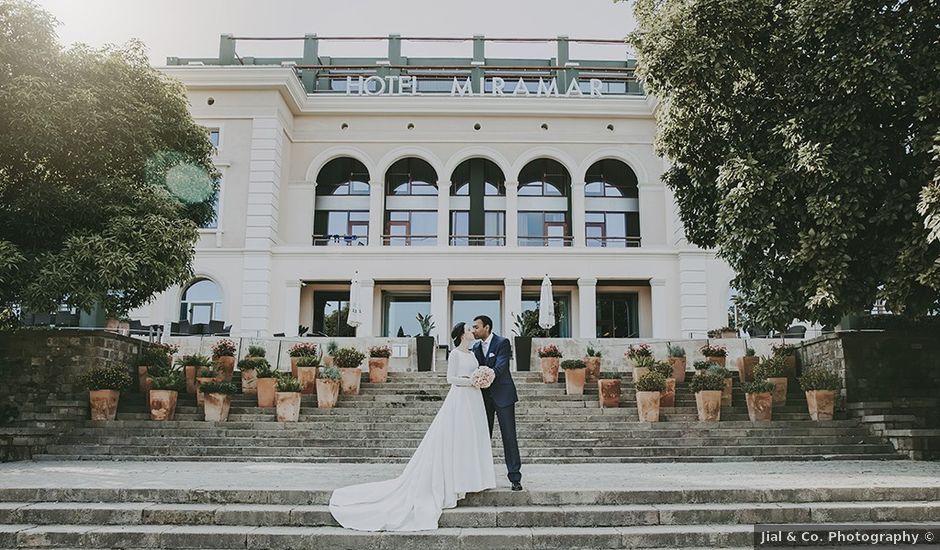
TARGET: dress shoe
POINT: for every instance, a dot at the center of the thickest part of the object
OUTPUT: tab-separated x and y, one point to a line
516	486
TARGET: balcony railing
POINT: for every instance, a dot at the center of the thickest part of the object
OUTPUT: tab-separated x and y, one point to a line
545	241
612	242
340	240
477	240
409	240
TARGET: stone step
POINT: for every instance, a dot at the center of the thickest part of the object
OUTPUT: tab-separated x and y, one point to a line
153	513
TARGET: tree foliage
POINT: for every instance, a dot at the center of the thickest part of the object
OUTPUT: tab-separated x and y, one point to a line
800	134
104	175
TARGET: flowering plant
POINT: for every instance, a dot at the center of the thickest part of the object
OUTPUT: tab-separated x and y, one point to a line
303	349
223	348
637	351
550	350
482	377
169	349
380	351
709	350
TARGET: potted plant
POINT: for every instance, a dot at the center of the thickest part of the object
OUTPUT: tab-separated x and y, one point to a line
267	383
608	389
760	399
425	343
349	363
788	352
256	351
592	362
774	369
288	399
701	365
715	354
302	349
104	385
746	364
156	358
191	365
331	349
307	368
678	361
723	332
328	381
217	400
638	353
164	391
641	366
248	369
707	387
551	359
649	389
575	374
668	397
726	389
223	353
205	375
378	364
820	385
525	329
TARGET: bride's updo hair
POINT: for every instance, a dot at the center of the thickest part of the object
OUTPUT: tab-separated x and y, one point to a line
456	334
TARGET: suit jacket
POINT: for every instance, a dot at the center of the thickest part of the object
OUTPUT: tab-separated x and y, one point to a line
502	391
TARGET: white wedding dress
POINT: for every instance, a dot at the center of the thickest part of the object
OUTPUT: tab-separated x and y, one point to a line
455	457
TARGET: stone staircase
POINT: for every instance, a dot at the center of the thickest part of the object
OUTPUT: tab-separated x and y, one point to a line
546	519
386	422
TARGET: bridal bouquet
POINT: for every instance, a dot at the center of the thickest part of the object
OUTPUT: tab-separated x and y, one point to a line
482	377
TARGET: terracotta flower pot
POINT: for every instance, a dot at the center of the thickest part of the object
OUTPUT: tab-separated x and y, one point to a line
667	398
678	368
267	387
639	372
327	393
143	380
780	390
720	361
708	403
592	368
226	366
759	406
608	392
200	380
288	406
378	371
103	404
350	378
249	381
327	360
190	372
647	405
293	366
726	393
307	376
791	366
745	367
217	406
574	381
821	404
550	369
162	404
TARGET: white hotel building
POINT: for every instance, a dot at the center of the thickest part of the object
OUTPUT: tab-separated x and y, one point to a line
443	195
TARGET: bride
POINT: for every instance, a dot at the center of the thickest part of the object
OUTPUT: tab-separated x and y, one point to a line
455	457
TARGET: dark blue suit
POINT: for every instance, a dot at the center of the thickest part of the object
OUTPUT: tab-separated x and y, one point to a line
500	400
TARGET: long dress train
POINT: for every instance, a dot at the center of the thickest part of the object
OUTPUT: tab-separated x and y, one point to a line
455	457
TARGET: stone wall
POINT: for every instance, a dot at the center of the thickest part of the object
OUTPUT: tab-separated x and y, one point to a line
40	367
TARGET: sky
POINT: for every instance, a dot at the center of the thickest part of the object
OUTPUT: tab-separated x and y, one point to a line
191	28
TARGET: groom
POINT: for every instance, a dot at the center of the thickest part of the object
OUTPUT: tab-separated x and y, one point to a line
500	398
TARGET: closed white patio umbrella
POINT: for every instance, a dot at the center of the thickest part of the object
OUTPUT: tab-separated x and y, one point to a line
354	319
546	305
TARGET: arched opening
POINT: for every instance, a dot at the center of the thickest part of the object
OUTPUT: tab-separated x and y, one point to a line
477	204
410	203
544	204
341	211
611	200
201	302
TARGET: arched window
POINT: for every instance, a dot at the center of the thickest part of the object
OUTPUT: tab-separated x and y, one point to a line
610	178
494	183
343	176
544	178
411	176
201	302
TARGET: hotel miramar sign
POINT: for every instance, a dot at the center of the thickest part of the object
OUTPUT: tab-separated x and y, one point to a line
493	86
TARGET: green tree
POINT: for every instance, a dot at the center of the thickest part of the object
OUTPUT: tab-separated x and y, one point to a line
104	175
800	135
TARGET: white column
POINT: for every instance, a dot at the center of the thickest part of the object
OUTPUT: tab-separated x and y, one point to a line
587	308
577	214
367	303
376	212
291	308
439	310
443	216
512	305
512	214
658	307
